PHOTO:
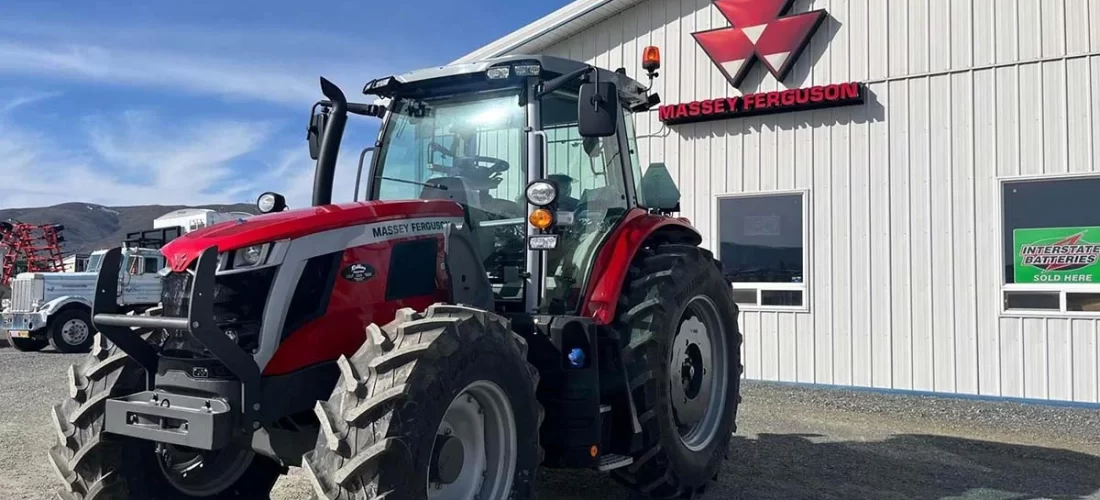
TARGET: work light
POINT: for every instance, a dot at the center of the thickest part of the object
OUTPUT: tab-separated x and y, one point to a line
541	193
270	202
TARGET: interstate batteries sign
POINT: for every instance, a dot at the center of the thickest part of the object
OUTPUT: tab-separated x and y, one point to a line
1057	255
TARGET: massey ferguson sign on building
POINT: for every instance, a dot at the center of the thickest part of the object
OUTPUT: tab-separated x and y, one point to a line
759	30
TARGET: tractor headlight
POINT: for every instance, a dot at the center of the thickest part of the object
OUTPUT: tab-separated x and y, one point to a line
541	193
252	256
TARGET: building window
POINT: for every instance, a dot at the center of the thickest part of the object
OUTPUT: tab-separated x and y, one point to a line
762	245
1051	238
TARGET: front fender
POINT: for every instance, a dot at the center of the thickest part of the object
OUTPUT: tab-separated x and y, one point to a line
605	284
55	305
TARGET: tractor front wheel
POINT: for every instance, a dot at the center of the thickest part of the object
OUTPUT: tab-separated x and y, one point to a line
95	466
684	364
436	406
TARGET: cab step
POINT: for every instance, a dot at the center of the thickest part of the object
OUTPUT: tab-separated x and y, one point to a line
613	461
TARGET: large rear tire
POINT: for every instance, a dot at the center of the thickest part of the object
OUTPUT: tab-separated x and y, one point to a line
98	466
440	406
684	366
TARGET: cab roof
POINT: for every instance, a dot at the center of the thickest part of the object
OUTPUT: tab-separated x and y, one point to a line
629	89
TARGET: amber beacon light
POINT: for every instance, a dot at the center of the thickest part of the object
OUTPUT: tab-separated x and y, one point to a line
651	59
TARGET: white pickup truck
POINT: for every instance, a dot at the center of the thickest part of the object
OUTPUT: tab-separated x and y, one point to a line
56	308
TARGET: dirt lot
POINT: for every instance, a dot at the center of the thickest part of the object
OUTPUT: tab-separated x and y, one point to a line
792	443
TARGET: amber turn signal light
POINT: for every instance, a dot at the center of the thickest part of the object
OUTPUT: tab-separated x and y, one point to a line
651	59
541	218
594	450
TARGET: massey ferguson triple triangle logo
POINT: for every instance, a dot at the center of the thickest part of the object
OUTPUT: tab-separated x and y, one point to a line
758	29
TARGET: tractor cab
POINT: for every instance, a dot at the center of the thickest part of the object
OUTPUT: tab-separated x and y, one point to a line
539	151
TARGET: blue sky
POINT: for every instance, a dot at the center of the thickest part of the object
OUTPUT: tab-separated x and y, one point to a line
137	102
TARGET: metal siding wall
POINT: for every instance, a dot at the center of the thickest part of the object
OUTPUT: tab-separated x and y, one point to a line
904	276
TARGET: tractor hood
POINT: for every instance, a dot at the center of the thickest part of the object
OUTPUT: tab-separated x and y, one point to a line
244	232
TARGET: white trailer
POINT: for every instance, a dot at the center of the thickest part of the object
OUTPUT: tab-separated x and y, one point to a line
191	219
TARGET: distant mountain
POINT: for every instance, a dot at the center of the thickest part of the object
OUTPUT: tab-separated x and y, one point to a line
90	227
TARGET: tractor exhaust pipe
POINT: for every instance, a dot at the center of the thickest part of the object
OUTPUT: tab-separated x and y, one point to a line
330	143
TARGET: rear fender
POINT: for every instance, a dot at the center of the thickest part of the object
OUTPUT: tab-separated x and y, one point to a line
638	229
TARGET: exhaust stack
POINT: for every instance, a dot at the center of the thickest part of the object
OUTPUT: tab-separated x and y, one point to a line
330	143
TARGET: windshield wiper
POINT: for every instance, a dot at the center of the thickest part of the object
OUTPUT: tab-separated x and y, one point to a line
422	184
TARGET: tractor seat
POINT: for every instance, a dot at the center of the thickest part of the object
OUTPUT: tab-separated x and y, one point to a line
457	190
450	188
600	200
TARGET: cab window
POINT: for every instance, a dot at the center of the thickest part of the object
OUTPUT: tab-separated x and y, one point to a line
589	175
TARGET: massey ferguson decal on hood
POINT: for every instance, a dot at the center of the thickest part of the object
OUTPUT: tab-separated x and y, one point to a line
760	30
1058	255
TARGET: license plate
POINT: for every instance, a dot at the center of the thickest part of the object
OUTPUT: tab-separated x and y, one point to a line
20	334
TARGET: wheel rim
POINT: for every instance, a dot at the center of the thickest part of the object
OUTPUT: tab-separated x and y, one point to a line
202	473
698	374
475	451
74	332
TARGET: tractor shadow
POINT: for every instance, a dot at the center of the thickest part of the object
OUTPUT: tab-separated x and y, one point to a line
906	466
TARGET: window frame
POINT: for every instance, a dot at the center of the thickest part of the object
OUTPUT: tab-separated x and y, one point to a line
807	254
1061	289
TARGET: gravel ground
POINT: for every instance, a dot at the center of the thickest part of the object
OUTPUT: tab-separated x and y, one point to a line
793	442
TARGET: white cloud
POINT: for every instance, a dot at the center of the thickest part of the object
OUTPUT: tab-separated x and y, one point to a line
25	99
127	157
129	161
182	72
267	65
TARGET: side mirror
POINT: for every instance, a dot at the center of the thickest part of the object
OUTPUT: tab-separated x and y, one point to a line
597	107
316	130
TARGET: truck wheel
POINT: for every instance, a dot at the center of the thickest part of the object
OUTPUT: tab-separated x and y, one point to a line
440	405
98	467
684	364
32	344
70	331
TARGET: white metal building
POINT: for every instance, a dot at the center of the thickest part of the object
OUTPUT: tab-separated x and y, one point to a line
874	244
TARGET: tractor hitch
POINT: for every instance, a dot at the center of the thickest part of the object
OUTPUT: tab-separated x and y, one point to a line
161	415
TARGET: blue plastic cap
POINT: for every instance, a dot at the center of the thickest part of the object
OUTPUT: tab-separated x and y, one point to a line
576	357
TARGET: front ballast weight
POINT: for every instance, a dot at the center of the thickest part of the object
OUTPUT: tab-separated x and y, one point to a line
197	422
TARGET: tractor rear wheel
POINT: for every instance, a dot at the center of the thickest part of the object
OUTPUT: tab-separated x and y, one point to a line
97	466
684	366
440	406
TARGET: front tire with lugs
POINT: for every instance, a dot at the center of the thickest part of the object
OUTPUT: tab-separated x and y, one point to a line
684	365
422	393
94	465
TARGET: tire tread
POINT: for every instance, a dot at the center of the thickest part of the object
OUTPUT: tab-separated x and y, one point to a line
657	274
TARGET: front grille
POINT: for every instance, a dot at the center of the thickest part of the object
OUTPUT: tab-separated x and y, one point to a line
239	301
22	295
175	293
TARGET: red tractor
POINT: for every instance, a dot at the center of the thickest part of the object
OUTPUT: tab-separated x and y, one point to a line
468	322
